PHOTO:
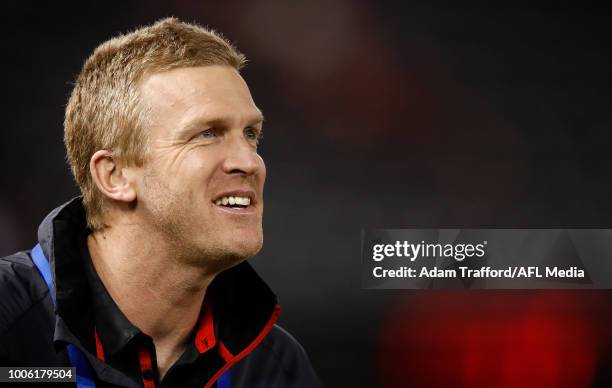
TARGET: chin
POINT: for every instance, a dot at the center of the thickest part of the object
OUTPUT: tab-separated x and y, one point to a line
238	247
246	248
233	255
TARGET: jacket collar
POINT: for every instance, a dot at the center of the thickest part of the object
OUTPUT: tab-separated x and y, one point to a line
243	306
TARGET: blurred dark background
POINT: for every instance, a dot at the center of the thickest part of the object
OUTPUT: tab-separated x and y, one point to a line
378	114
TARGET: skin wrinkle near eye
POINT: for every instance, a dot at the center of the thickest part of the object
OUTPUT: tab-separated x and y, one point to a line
168	147
163	148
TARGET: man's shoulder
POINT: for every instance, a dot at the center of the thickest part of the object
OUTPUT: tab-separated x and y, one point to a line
26	315
278	361
19	287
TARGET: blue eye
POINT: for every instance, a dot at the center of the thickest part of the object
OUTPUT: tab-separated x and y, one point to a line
208	134
251	134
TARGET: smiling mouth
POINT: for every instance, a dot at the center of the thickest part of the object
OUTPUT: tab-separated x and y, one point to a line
234	202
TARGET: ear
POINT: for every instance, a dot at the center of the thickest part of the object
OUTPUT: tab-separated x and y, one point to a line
109	175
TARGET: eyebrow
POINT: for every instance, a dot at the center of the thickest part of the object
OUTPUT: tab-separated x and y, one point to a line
216	121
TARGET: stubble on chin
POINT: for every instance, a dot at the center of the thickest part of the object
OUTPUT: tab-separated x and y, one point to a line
194	241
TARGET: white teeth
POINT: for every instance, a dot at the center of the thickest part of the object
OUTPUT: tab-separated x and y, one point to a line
243	201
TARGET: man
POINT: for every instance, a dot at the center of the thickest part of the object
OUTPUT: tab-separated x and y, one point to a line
149	282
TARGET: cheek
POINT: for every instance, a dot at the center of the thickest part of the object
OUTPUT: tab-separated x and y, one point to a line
197	171
178	177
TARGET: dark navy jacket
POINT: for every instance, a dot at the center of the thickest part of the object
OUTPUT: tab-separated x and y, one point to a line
240	334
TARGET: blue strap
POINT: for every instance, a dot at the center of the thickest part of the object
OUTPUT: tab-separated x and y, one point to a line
224	381
38	257
84	378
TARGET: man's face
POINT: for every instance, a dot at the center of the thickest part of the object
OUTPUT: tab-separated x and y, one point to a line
202	184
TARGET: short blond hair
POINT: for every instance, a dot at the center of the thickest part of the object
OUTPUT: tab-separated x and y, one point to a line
104	110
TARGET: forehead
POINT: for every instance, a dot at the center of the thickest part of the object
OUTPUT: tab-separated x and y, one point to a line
177	97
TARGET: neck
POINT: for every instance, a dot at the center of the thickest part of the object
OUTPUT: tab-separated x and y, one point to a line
153	287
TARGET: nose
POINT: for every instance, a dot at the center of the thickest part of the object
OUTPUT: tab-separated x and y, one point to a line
241	157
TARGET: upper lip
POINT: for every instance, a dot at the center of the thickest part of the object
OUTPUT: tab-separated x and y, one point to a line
237	193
